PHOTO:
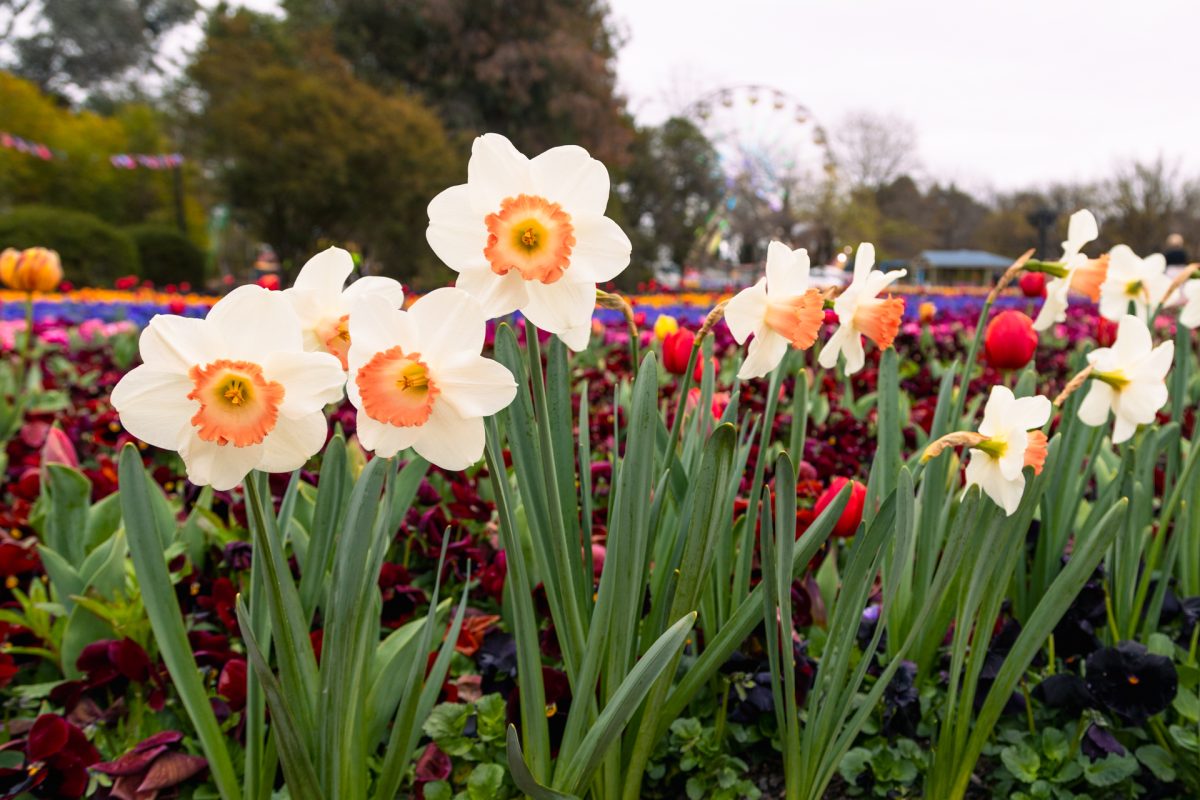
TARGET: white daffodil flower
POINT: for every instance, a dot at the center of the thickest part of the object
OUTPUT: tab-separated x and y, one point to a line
324	306
861	313
779	310
1129	379
418	380
1130	279
997	464
1190	315
530	235
233	392
1080	274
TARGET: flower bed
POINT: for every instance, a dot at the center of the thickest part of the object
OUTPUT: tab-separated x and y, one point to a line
667	565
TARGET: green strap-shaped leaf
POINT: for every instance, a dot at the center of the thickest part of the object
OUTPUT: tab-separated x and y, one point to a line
521	775
162	607
294	757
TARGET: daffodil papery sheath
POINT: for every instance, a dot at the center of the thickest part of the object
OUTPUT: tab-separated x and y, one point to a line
779	310
1081	229
324	306
418	380
530	235
1128	380
862	312
997	464
233	392
1130	279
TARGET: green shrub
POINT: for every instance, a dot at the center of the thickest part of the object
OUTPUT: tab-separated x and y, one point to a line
93	252
167	256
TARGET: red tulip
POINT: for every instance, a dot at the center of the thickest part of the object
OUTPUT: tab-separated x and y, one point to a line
1010	340
1033	284
852	514
677	349
1106	332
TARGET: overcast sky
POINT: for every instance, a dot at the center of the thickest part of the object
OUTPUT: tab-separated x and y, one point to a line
1004	94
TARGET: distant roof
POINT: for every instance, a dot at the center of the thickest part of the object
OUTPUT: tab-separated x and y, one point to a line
963	259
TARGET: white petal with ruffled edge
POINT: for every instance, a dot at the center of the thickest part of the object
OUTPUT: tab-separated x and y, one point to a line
310	380
154	406
766	350
450	440
746	310
292	442
568	176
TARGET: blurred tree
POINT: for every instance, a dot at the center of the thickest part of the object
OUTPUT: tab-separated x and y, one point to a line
305	151
81	48
671	187
1144	201
539	71
872	149
80	175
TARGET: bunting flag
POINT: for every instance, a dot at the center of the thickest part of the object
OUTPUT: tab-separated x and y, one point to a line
135	160
120	160
25	146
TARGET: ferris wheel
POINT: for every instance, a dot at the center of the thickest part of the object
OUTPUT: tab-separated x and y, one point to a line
769	145
763	135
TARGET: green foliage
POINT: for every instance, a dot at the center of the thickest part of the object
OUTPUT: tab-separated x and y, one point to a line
80	176
695	756
541	73
478	754
884	769
92	252
670	188
310	152
167	256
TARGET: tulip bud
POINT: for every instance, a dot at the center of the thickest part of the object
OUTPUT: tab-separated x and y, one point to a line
664	326
36	270
1010	340
59	449
926	312
677	349
1033	284
852	514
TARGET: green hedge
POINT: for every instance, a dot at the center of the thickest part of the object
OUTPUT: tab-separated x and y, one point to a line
167	256
93	252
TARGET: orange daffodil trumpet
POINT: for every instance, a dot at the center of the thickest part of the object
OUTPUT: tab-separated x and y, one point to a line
324	306
233	392
779	310
530	235
418	380
1128	379
1075	271
861	312
1130	279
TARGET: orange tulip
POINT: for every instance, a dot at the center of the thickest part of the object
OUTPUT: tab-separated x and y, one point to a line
8	265
37	269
